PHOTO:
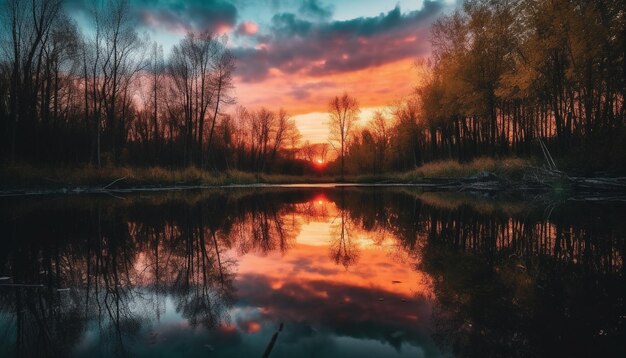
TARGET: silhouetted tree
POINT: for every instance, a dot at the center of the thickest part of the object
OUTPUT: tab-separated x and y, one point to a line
344	112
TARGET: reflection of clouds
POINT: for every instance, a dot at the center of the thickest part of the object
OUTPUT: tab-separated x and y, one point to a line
142	263
340	309
309	265
161	277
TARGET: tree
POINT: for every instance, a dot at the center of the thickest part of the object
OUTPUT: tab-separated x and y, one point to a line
112	61
221	84
156	68
509	72
28	26
200	68
294	137
380	127
282	125
343	112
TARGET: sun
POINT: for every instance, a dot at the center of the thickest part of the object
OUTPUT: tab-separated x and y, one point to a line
319	163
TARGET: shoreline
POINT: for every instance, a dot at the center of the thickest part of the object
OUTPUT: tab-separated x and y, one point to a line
467	185
484	175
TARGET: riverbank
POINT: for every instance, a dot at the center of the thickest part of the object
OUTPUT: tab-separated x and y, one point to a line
483	175
512	169
29	177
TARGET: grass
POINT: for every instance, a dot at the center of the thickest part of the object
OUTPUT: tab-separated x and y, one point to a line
511	168
27	176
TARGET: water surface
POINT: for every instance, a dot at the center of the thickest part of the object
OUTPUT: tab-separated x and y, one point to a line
363	272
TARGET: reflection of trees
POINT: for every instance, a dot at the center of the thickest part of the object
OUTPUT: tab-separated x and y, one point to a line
506	282
502	279
201	280
267	227
120	262
116	275
313	210
344	249
507	278
109	289
386	218
40	320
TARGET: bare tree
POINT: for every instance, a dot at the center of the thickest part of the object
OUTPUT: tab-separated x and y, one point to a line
222	84
308	151
28	25
381	129
119	67
201	71
294	137
344	112
261	132
112	55
157	74
280	129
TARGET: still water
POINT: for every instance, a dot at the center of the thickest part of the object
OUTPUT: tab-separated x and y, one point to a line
346	272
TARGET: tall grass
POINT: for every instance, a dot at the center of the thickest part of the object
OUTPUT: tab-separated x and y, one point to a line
512	168
27	176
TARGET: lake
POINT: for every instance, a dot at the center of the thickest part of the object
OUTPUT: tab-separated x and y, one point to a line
311	272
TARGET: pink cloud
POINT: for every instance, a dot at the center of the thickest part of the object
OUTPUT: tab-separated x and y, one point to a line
247	28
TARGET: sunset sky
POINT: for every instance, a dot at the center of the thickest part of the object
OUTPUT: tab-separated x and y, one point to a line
298	54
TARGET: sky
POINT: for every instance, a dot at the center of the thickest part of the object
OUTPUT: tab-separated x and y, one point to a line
298	54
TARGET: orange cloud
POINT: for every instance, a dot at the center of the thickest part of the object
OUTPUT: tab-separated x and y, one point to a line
306	97
308	261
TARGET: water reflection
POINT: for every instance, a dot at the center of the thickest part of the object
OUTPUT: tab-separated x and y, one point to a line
350	272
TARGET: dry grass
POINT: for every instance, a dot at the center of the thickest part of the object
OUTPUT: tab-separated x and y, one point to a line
26	176
511	168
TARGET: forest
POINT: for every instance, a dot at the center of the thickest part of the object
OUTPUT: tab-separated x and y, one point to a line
505	75
503	78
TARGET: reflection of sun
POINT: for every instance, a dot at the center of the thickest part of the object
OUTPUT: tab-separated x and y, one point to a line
319	199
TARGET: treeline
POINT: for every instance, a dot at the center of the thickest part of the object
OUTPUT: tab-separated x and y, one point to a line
503	76
507	73
390	141
109	96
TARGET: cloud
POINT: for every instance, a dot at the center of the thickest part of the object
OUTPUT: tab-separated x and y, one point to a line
298	46
314	10
175	16
195	15
303	91
288	25
247	28
376	86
